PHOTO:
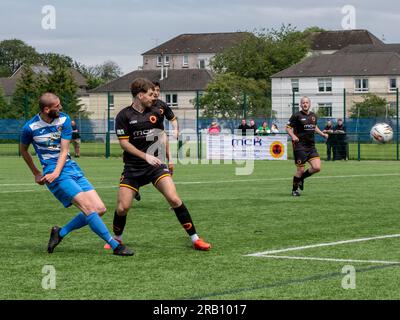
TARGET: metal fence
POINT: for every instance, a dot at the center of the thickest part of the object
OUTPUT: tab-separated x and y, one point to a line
99	139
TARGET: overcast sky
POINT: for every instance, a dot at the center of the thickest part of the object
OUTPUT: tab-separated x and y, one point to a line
92	31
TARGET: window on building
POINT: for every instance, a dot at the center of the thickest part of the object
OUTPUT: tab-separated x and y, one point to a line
361	85
392	84
202	63
166	60
324	85
159	61
325	110
295	85
185	62
171	99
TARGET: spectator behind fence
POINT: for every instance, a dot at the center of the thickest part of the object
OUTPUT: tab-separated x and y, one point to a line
244	127
341	143
76	139
214	129
264	130
253	127
274	128
330	142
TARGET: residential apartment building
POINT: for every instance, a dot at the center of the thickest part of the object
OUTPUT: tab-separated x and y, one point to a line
181	65
324	78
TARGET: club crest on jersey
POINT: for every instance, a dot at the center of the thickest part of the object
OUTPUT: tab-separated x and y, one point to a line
313	118
59	128
153	119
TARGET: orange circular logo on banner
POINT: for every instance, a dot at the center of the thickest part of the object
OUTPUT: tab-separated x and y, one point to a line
153	119
277	149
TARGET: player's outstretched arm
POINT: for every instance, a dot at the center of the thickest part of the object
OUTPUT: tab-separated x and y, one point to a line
317	130
289	130
29	161
175	128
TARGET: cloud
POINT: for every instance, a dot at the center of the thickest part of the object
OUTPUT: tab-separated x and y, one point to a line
93	29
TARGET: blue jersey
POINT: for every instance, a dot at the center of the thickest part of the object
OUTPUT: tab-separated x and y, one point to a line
46	138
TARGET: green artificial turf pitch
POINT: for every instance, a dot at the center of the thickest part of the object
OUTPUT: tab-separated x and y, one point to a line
239	215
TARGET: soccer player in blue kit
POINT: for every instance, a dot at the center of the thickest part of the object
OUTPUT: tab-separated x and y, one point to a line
50	132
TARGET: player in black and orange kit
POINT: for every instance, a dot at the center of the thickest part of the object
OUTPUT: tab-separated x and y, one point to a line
140	134
301	127
166	112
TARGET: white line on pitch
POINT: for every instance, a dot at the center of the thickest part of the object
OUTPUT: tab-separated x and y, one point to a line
257	254
237	180
330	259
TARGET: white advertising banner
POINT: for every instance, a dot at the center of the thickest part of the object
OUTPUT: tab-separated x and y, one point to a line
234	147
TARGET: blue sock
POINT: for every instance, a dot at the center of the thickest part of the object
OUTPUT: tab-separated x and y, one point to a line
77	222
98	226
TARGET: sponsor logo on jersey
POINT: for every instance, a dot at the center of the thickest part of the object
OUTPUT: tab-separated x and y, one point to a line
133	122
141	133
153	119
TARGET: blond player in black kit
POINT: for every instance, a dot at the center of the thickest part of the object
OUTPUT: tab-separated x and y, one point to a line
301	127
140	133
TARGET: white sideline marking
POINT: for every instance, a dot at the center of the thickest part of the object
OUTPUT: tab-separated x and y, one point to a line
270	252
330	259
219	181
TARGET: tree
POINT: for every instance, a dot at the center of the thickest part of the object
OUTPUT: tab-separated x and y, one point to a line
14	53
373	106
263	53
61	82
99	74
51	58
26	96
231	96
248	67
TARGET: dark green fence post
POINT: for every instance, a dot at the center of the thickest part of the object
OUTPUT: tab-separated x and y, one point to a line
344	106
397	124
198	124
244	106
108	125
358	147
293	101
26	107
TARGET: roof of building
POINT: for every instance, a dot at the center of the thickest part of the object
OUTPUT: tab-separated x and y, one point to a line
199	43
177	80
336	40
9	84
352	64
354	48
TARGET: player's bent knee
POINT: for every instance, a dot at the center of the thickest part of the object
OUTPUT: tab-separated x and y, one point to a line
122	210
101	210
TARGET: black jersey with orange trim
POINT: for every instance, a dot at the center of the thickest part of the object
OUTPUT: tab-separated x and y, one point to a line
141	129
165	111
303	126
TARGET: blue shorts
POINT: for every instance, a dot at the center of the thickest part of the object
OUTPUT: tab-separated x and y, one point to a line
70	182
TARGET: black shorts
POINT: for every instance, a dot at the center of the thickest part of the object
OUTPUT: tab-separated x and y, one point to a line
133	178
303	155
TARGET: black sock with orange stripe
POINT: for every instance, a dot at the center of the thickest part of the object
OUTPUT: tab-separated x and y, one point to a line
306	174
119	223
185	219
296	182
